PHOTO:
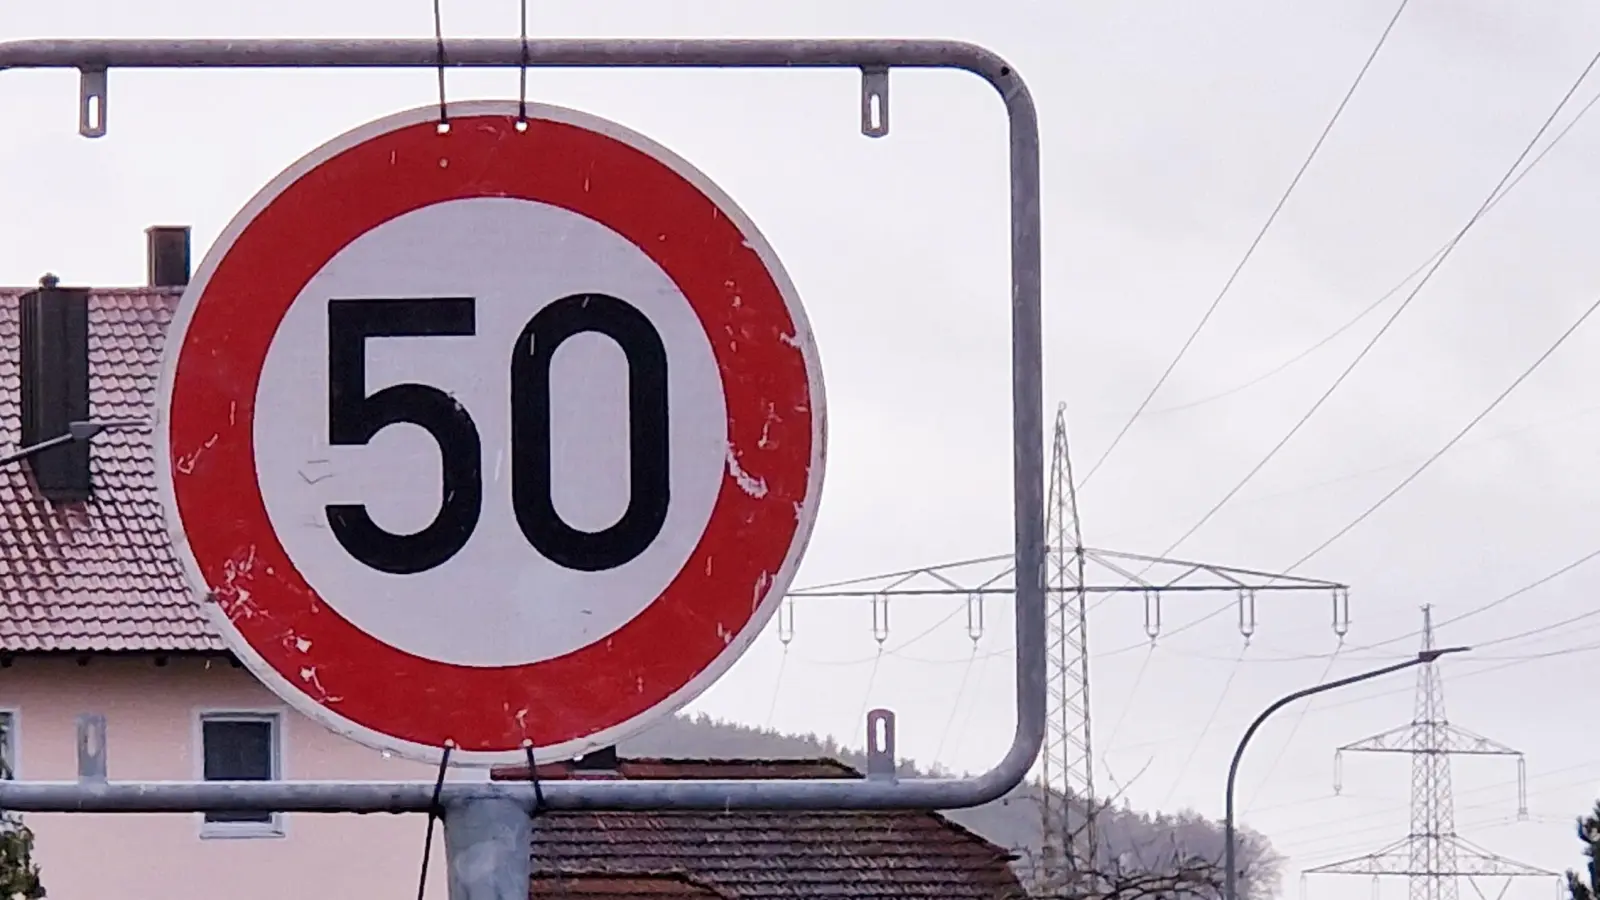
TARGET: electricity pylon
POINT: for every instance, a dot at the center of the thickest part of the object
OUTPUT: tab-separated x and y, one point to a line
1071	851
1432	856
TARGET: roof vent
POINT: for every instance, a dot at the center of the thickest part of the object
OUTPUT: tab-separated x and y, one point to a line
167	255
55	386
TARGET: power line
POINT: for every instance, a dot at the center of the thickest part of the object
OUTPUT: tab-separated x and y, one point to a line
1539	582
1433	261
1251	249
1288	741
1504	662
1211	720
1404	305
1397	288
1517	382
1512	178
955	707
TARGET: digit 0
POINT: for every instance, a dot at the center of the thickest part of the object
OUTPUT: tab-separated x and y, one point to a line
648	442
354	418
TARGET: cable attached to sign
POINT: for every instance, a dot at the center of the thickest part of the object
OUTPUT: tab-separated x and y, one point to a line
433	805
533	776
522	94
438	43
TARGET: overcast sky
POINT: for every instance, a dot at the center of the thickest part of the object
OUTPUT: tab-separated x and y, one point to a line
1170	130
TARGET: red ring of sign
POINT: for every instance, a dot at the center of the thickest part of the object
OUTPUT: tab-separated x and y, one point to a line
427	702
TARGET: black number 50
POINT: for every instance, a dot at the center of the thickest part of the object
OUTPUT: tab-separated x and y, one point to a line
355	417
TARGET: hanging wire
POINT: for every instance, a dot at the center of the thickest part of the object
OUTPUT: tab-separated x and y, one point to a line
433	808
777	686
966	675
438	43
522	77
866	697
539	808
533	776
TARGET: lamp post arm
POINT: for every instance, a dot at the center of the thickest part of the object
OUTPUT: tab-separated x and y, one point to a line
76	431
1230	876
25	452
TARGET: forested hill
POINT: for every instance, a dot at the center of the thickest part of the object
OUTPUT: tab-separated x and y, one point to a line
1012	821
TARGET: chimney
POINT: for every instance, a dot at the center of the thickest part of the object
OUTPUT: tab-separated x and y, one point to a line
55	386
167	255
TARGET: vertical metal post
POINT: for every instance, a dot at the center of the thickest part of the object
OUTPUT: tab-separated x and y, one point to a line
487	843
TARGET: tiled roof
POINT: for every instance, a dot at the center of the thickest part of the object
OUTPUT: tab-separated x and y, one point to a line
758	856
625	887
97	576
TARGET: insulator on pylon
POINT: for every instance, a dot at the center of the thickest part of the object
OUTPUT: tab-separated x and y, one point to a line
1377	887
880	618
786	622
1247	613
1341	611
1338	771
1522	788
1152	614
975	616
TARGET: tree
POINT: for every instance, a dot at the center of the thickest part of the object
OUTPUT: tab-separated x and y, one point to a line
1589	834
1183	861
19	874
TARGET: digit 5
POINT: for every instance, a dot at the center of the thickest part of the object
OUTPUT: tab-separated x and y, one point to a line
354	418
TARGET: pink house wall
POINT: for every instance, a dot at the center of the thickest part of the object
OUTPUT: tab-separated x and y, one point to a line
152	734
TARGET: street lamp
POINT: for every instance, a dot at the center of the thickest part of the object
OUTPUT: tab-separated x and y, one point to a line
1229	850
76	431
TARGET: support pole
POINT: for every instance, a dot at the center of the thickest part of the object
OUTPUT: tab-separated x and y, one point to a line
486	845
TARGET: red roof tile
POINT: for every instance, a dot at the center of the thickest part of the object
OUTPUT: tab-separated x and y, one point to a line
759	856
96	576
623	887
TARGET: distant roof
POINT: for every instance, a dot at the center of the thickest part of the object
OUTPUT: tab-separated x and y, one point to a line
756	855
98	576
625	887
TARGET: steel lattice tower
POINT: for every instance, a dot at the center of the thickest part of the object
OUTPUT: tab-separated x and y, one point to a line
1067	759
1070	847
1432	856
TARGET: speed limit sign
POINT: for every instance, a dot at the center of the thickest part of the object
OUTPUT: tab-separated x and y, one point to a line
494	439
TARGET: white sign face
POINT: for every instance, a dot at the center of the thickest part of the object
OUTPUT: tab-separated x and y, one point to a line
515	258
491	441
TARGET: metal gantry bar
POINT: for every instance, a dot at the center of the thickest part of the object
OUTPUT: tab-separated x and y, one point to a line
92	58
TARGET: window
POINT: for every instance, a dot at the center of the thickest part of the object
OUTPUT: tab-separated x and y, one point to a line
8	745
240	747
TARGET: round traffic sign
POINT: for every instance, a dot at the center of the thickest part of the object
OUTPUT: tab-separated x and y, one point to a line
490	439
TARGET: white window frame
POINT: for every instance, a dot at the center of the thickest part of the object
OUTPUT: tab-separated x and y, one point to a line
10	742
277	826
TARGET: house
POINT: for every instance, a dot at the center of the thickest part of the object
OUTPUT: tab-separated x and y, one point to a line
754	855
95	618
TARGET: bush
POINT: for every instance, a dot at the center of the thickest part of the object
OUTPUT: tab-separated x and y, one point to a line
19	875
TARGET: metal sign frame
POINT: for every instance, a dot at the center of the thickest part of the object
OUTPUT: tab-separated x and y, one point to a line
485	822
